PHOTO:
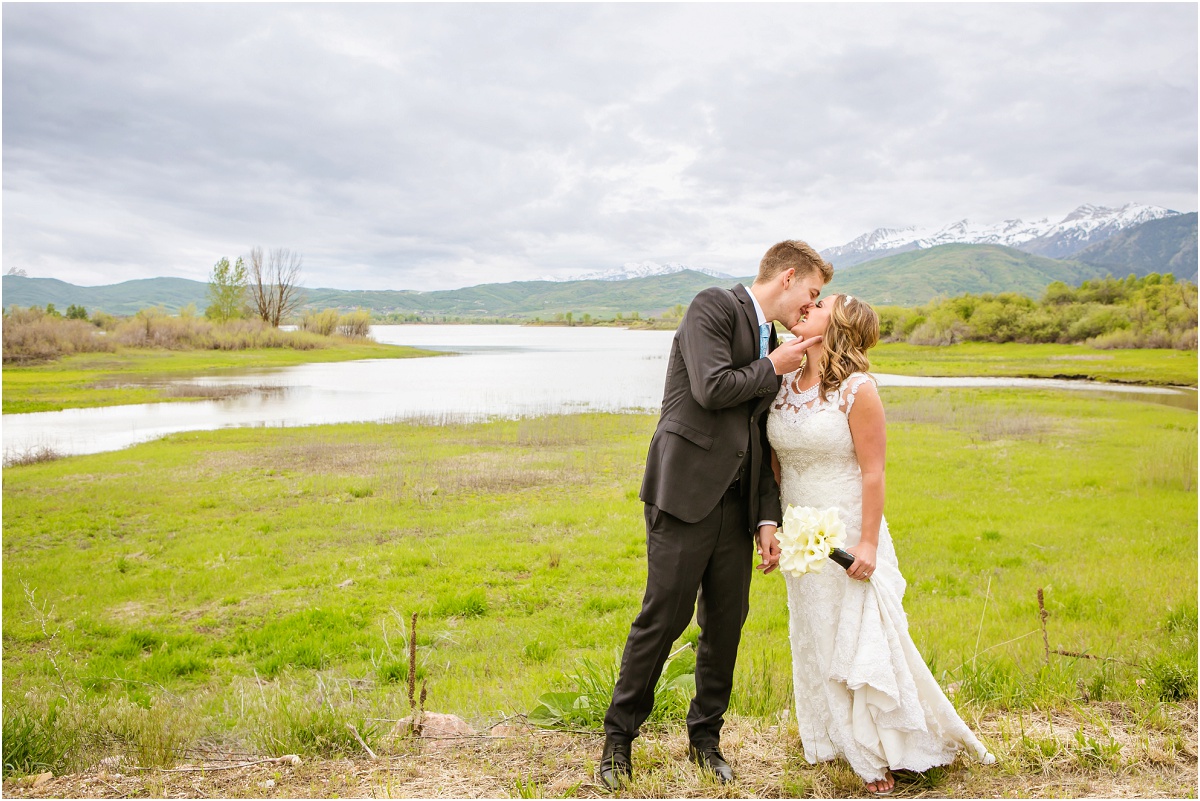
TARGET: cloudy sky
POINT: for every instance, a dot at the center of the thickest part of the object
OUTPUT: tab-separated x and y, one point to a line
441	145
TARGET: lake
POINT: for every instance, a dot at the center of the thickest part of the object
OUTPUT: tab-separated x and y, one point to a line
488	371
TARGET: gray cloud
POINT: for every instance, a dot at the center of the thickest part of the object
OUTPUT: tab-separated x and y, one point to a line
426	146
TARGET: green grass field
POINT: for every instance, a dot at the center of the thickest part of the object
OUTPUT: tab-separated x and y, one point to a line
133	375
1133	366
253	586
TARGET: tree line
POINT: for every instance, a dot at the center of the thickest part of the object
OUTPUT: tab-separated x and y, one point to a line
1155	311
247	303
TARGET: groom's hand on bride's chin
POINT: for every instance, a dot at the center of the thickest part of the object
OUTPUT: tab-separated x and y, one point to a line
790	355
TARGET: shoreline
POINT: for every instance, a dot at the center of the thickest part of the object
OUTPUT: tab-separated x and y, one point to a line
133	376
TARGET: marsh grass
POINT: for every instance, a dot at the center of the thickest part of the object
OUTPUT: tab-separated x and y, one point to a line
981	421
1169	462
30	337
251	587
35	454
194	391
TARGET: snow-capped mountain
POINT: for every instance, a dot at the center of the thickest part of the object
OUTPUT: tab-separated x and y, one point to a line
639	269
1084	226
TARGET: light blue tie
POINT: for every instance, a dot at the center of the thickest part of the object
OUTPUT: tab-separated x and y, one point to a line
764	339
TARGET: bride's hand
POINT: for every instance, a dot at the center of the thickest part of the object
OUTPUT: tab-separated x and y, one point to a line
768	548
864	561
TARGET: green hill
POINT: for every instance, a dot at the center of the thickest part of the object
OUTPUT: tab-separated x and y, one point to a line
124	298
1158	246
520	300
918	276
910	278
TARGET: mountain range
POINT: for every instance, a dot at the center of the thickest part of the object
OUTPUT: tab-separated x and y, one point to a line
909	274
1085	226
639	269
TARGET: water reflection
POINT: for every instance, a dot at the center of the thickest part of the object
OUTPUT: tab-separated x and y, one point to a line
487	371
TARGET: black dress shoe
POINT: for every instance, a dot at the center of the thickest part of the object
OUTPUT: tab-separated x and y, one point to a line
616	763
710	759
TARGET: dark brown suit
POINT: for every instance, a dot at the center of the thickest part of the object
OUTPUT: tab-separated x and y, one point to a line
708	482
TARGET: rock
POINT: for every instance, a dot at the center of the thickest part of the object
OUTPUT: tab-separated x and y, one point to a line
269	783
508	730
346	583
434	724
42	778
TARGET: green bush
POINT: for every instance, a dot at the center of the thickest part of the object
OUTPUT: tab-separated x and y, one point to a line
323	322
1150	312
355	324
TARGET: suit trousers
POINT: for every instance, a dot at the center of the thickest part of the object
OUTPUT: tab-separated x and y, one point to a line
714	557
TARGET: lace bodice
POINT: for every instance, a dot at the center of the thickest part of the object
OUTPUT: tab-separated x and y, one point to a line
811	438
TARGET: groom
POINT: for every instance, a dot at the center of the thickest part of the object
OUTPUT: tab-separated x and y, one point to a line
708	488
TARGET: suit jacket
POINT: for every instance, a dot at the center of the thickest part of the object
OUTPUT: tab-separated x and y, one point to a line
714	412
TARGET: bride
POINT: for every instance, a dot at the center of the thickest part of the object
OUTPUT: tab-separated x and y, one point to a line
863	692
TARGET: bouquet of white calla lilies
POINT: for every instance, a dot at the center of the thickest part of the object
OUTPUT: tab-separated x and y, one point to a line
806	538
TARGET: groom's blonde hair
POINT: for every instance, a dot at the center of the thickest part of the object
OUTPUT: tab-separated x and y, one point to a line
852	330
793	253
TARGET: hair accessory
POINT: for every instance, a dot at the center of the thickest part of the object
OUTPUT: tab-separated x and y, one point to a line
849	297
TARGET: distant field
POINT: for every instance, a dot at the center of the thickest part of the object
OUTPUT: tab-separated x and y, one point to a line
1132	366
130	375
252	587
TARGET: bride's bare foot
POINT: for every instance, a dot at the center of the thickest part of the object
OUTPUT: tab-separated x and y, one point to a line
883	786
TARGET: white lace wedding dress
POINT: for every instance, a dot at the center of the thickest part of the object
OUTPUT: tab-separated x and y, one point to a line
863	692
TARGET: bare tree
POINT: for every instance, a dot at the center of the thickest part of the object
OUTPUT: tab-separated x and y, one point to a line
274	284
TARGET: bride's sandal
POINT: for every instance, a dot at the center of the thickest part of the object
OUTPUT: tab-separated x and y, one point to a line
889	782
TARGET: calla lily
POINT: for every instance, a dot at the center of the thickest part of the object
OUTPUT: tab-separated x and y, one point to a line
806	538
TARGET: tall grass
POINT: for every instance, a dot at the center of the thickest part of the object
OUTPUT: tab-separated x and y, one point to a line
150	328
30	335
352	325
34	740
320	322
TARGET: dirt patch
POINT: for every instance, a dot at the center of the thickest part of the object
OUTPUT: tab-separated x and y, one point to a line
129	612
317	457
767	760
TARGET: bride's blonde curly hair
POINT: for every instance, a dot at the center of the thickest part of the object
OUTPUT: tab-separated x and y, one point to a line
852	330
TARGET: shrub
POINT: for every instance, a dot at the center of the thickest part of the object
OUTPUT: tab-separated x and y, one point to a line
1150	312
356	324
1098	320
939	332
32	335
323	323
